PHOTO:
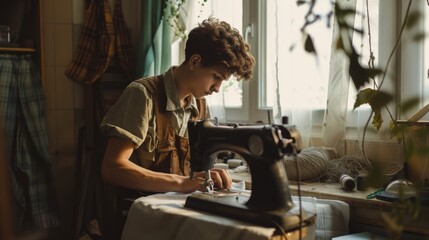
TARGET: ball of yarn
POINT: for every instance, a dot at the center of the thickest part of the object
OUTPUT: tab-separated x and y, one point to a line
313	163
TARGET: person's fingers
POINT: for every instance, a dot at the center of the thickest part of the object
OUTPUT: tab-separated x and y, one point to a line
217	179
214	175
224	177
220	177
228	179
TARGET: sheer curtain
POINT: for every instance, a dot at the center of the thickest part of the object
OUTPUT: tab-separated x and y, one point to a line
335	121
315	91
301	77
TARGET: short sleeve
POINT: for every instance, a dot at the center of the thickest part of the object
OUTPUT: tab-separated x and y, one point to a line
129	118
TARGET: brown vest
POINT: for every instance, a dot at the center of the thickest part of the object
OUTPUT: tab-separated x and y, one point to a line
172	152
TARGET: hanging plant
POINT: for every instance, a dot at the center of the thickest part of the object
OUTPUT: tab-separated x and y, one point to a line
172	15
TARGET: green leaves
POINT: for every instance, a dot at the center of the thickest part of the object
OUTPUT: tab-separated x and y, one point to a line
413	19
375	178
308	44
300	2
359	74
343	16
419	36
409	104
377	100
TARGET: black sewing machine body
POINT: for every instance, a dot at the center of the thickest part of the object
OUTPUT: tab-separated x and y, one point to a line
263	147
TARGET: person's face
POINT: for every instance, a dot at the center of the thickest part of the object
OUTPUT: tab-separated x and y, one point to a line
206	80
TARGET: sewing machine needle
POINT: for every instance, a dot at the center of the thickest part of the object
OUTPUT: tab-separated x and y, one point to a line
209	183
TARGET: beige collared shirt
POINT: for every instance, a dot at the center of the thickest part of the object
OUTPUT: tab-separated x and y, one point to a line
131	117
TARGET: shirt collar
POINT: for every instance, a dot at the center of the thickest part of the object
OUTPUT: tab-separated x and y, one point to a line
173	101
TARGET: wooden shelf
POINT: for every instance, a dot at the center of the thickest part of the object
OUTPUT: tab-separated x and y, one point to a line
17	49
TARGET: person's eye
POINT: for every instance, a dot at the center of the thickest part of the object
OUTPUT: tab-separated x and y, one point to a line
217	77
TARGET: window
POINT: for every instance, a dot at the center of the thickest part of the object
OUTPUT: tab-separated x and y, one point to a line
414	62
233	93
277	23
286	59
231	12
407	72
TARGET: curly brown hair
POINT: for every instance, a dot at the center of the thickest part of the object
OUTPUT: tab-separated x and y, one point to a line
218	43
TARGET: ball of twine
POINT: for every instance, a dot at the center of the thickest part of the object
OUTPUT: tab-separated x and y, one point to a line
313	163
352	165
323	164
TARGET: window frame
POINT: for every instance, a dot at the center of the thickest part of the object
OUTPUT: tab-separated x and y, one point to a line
414	62
251	110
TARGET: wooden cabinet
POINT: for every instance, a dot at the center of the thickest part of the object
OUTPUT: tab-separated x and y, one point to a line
22	21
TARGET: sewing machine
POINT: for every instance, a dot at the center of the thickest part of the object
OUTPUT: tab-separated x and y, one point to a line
263	148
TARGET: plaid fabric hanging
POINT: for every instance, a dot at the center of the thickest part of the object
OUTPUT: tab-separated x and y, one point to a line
30	166
95	48
123	42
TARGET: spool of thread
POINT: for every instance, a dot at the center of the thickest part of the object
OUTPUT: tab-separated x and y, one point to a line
233	163
220	165
361	183
347	182
219	160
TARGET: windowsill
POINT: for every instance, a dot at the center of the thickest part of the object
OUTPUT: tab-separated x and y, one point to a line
363	211
321	190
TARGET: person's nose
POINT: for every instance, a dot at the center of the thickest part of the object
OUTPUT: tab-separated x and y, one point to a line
216	87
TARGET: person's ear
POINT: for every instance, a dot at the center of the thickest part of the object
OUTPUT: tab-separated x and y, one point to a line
194	61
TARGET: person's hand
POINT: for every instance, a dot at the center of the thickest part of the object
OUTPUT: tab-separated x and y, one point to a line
220	177
225	181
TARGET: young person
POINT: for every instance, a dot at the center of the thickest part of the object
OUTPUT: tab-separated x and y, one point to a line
147	147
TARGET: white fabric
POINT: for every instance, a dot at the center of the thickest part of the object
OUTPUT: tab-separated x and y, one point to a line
334	127
332	216
162	216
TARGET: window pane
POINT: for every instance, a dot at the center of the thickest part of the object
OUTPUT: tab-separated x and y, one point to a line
230	11
299	73
233	93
